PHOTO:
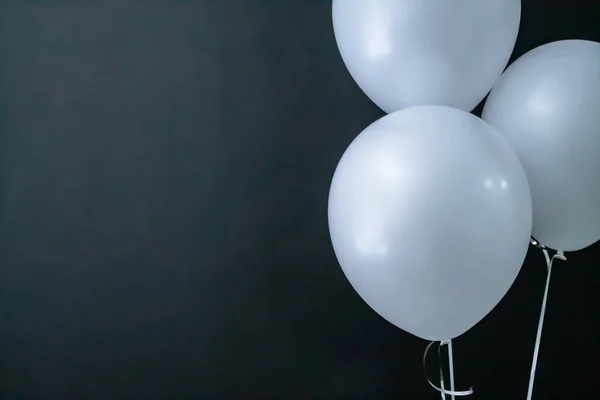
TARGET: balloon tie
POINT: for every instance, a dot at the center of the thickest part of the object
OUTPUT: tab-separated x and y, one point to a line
442	389
549	261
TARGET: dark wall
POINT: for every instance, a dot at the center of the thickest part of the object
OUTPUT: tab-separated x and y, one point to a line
164	172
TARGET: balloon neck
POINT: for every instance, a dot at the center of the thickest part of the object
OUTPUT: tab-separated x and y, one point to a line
537	244
560	254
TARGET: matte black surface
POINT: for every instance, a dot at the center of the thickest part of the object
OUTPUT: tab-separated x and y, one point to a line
164	172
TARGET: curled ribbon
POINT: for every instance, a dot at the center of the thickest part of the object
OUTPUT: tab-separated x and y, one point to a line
443	391
538	339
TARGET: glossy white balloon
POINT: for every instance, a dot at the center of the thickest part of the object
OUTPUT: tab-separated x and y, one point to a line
547	105
430	219
405	53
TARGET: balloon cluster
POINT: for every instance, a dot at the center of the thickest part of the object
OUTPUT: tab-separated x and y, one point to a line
431	209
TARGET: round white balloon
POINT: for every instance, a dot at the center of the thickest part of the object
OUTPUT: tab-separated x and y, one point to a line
430	219
405	53
547	104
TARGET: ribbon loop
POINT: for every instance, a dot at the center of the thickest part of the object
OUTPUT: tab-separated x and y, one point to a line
443	391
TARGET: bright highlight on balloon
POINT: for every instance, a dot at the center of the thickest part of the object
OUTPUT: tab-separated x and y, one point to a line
430	219
405	53
547	105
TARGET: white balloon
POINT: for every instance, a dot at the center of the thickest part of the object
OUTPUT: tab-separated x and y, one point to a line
430	219
547	104
405	53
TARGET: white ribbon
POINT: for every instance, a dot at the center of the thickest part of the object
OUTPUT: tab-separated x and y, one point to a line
443	391
549	260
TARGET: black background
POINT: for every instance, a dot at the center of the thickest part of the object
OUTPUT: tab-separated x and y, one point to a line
165	167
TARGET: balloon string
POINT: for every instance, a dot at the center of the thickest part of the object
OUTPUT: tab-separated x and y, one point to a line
450	367
549	260
442	389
